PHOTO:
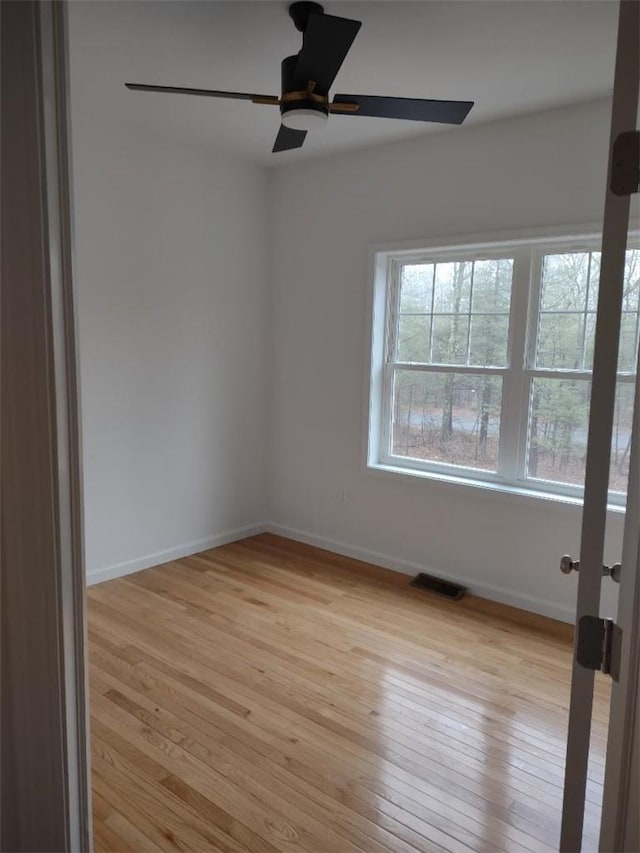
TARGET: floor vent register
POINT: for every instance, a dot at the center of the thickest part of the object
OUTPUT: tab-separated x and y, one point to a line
447	589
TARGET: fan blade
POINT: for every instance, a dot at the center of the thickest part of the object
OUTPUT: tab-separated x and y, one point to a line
208	93
412	109
288	138
325	44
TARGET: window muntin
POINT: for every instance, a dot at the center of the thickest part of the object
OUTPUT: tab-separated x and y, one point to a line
454	397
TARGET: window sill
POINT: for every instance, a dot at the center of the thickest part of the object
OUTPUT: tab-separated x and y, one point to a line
524	494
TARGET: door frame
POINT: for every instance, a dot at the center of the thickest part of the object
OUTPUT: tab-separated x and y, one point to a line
45	756
620	827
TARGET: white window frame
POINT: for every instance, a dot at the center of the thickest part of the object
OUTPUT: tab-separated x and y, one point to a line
527	251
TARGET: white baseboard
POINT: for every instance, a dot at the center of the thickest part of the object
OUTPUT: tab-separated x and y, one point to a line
184	550
485	590
476	587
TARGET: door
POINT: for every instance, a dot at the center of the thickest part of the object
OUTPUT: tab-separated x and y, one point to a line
614	240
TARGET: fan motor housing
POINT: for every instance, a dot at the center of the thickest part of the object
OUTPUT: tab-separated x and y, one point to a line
294	97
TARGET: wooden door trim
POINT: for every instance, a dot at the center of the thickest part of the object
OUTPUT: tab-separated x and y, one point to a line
619	829
45	770
620	800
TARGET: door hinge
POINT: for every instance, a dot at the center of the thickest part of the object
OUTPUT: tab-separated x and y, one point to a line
625	164
598	646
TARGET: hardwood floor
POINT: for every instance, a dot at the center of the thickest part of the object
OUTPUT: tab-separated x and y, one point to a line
269	696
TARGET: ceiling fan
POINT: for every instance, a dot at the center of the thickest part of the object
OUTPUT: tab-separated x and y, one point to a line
308	75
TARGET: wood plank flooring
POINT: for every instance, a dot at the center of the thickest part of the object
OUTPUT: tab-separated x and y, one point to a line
268	696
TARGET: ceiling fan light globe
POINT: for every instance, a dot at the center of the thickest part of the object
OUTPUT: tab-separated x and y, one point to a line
304	119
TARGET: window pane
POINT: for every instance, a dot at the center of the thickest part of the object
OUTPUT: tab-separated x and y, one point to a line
447	417
589	341
450	339
631	280
489	340
416	287
413	337
452	287
560	341
568	301
558	423
492	286
440	302
594	280
558	431
564	282
628	350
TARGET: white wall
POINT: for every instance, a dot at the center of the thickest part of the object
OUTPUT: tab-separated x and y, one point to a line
172	309
181	345
536	171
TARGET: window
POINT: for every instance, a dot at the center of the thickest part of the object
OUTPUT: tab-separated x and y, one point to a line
482	362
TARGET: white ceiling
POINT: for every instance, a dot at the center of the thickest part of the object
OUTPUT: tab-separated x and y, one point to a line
509	57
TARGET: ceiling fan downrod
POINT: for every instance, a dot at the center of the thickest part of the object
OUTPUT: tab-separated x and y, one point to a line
300	12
